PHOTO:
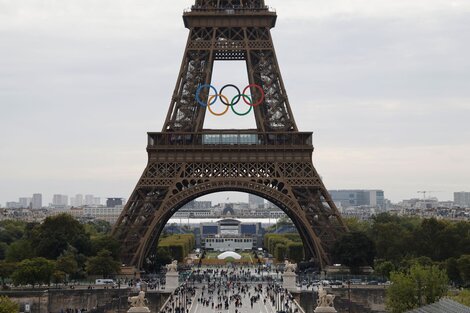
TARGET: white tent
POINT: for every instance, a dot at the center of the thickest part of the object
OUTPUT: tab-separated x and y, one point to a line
229	254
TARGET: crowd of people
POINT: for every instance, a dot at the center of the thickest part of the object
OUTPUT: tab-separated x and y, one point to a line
238	290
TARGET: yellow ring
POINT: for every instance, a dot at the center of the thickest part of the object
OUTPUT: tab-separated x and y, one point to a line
212	98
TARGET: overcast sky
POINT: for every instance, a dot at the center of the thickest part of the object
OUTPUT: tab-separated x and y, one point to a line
383	84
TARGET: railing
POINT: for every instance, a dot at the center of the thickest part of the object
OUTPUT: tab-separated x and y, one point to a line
230	138
236	10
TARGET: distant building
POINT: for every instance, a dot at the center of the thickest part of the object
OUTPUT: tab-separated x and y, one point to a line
197	205
96	201
255	202
89	200
77	201
113	202
25	202
228	210
230	235
60	200
13	205
462	199
36	202
353	198
108	214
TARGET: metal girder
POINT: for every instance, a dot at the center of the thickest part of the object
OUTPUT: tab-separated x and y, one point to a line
276	164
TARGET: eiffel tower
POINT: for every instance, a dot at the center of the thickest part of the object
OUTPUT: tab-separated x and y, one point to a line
186	161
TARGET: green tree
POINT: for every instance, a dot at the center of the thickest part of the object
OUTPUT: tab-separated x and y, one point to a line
105	242
8	306
419	286
19	250
11	231
354	249
453	271
6	269
67	264
433	239
391	239
58	277
284	221
179	246
384	268
407	263
53	236
33	271
295	251
355	224
163	256
97	227
401	295
102	264
3	250
462	246
72	263
463	264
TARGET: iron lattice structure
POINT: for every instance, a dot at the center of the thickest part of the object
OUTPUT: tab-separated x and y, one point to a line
187	161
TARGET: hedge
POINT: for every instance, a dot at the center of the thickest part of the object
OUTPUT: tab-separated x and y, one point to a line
285	246
178	246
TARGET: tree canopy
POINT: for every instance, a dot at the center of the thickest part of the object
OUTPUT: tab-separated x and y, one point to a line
418	286
354	249
8	306
102	264
53	236
33	271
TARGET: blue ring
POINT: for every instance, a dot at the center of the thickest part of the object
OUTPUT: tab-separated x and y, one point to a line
198	91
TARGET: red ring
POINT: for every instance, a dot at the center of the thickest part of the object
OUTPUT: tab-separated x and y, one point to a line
262	95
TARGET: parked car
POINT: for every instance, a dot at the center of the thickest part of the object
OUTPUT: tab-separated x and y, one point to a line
107	282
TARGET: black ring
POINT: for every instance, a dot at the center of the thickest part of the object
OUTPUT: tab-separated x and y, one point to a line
233	86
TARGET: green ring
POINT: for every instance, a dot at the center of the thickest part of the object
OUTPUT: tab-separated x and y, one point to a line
237	97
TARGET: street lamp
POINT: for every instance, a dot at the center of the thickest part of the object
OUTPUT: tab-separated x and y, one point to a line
349	296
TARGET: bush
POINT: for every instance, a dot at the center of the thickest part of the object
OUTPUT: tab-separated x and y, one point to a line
419	286
33	271
8	306
177	246
283	246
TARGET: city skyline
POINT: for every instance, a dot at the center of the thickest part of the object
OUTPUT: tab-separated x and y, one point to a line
82	83
459	197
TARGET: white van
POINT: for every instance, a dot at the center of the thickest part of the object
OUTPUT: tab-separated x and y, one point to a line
103	281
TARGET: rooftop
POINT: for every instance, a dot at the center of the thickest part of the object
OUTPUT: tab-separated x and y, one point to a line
443	306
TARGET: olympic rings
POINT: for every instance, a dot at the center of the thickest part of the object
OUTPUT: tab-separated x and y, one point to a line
221	97
198	91
212	99
262	94
239	96
238	91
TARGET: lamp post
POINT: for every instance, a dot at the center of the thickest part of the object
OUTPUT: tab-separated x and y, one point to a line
349	296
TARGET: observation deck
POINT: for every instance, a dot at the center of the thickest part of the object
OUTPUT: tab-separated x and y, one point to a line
224	139
225	144
225	15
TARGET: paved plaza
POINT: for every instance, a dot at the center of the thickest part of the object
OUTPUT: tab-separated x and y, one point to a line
224	290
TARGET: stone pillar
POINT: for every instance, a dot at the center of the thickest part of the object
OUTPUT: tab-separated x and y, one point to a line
139	310
325	310
289	281
171	281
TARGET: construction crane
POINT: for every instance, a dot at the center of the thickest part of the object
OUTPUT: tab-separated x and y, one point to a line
424	192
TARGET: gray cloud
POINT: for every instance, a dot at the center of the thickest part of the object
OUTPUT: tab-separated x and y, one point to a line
383	84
